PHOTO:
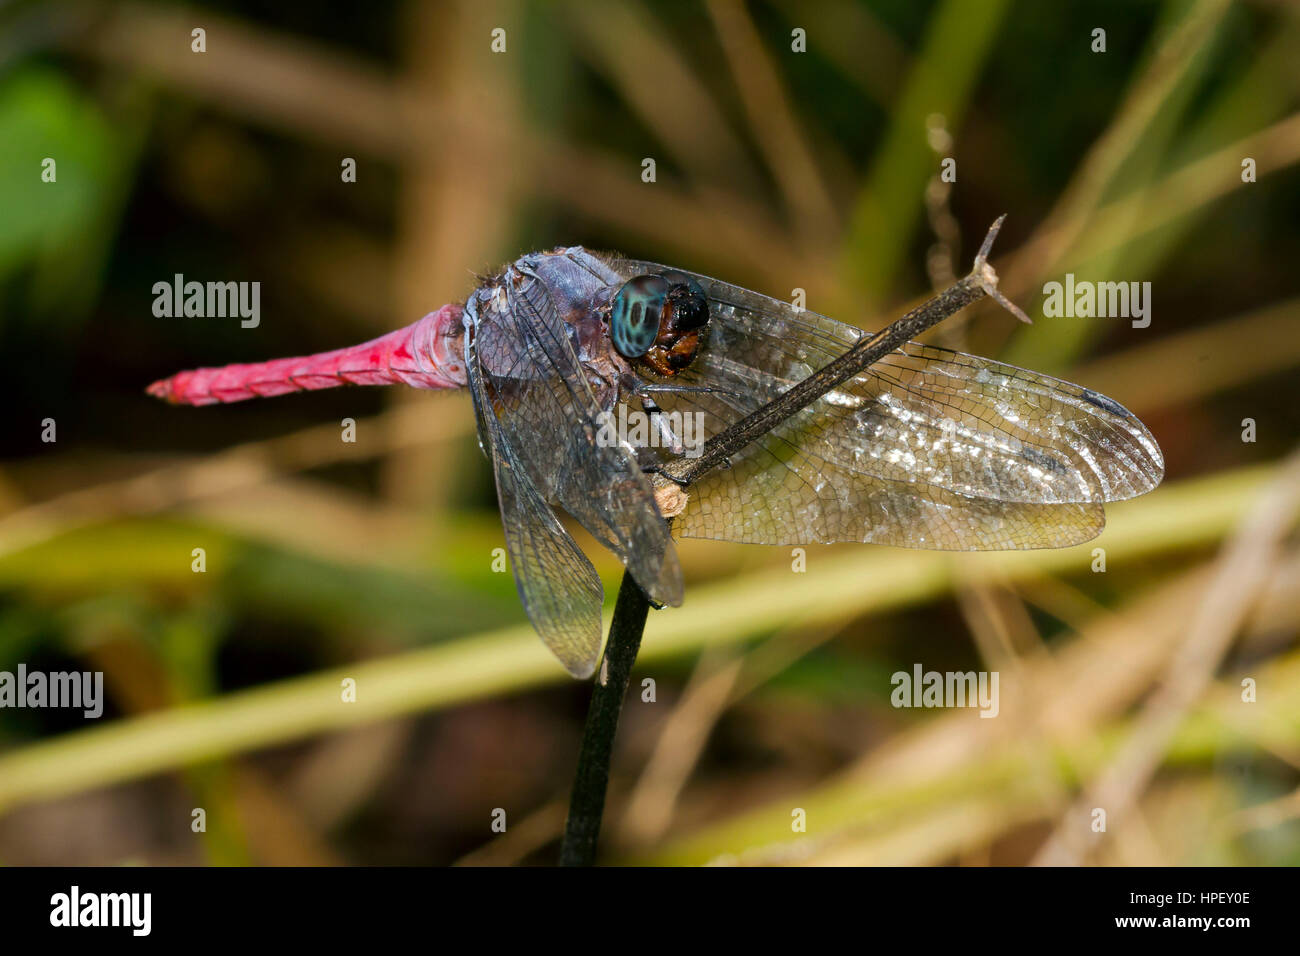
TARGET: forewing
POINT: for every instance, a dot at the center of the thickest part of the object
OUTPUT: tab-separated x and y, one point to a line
928	448
560	589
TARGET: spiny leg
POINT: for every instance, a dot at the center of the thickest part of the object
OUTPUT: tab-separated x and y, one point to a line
667	437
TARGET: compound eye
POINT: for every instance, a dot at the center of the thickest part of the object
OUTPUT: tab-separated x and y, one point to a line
688	306
681	278
635	314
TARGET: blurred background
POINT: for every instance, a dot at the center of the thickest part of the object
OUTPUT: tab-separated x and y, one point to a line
777	169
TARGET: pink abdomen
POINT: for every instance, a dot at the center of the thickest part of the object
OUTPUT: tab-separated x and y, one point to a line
426	354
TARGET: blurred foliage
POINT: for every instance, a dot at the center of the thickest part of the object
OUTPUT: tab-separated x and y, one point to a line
373	561
53	233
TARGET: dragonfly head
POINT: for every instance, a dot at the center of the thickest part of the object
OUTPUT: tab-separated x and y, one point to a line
658	319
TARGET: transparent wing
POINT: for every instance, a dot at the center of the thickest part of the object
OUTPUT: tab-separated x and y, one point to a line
548	416
928	448
558	586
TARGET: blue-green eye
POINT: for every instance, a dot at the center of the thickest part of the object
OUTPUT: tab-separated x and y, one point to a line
635	314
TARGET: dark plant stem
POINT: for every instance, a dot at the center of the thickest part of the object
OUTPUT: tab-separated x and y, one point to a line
587	804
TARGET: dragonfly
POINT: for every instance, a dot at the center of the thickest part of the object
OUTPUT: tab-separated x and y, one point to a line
927	448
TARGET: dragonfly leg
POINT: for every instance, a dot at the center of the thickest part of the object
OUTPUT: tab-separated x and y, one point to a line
643	388
668	438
